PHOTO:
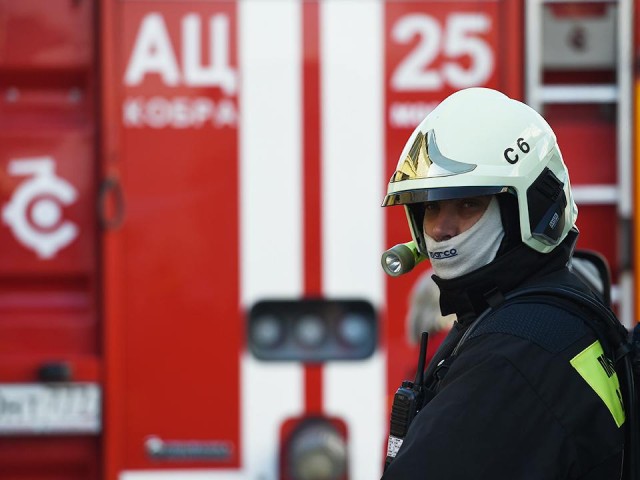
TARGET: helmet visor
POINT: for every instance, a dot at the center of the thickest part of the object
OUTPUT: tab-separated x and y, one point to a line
434	194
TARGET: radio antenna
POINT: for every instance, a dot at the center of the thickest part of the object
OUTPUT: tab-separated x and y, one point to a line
422	359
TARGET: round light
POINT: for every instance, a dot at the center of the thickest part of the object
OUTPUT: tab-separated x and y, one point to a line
355	330
317	452
310	330
267	331
399	259
393	263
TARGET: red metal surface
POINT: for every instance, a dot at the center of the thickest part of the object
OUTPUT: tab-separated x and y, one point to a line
49	300
112	247
587	138
496	29
172	265
52	36
50	458
599	232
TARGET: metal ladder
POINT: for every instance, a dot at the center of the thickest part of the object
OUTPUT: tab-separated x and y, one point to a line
537	94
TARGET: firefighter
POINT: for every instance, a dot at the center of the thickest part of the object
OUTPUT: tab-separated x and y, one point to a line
519	388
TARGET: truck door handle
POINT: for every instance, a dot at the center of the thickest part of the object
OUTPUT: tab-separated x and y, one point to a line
110	219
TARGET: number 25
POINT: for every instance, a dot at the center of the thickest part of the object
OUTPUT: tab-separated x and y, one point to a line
414	73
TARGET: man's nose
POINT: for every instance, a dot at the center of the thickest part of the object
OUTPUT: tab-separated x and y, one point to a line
445	225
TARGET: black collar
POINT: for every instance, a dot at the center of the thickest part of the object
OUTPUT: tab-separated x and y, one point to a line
469	295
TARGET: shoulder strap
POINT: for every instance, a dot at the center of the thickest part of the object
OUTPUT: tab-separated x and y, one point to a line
615	335
602	321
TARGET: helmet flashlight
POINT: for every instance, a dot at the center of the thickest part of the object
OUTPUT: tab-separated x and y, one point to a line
401	259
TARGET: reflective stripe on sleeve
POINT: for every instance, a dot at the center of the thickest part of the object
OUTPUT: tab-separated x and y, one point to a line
598	371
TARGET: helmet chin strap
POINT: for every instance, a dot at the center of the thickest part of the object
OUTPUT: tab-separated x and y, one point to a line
470	250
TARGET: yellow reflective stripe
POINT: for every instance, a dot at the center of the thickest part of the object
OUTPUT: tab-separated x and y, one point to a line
598	371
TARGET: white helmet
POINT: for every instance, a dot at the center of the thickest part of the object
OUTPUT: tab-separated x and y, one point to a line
477	142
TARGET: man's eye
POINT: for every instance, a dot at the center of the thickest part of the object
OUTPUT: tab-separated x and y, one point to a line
429	207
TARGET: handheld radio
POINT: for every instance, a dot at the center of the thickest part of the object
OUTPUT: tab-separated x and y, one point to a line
407	402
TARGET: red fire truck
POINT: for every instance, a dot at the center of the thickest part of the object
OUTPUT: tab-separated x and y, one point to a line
191	232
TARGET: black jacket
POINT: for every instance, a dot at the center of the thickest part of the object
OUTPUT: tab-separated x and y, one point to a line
510	404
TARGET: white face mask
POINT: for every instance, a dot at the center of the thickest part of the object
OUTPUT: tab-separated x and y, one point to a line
471	249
